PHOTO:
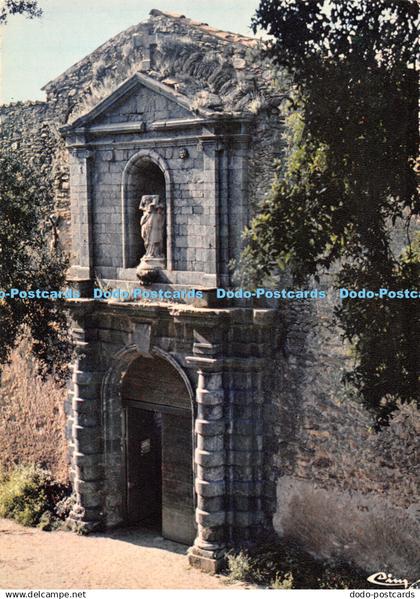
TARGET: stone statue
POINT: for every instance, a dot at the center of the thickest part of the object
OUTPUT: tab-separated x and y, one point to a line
152	224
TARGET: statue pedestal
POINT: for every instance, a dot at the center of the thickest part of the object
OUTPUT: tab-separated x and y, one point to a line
151	263
149	268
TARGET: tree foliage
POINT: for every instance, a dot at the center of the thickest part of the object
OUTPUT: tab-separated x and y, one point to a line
28	261
30	8
349	182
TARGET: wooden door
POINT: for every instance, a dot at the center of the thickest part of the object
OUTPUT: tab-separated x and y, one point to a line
144	465
178	522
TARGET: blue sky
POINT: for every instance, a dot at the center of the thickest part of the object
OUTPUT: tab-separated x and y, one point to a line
35	51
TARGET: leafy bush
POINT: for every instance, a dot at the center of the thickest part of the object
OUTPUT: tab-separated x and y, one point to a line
239	566
29	495
32	259
345	198
284	583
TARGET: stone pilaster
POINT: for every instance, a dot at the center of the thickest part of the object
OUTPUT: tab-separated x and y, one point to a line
210	146
244	459
85	421
81	216
209	547
238	208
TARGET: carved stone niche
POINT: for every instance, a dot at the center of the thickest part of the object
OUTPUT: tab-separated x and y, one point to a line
152	231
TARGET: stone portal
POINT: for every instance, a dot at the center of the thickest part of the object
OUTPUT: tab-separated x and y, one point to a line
167	405
159	449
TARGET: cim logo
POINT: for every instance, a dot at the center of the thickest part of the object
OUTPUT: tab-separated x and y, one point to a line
388	580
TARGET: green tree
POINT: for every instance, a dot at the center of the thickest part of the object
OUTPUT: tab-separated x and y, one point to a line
29	260
348	182
30	8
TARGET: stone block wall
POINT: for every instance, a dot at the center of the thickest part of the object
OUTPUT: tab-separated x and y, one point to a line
343	491
222	70
266	150
31	130
193	214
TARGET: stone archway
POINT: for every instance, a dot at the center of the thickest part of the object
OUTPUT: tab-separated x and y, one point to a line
148	420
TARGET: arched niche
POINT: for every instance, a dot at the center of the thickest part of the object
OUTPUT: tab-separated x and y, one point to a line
146	173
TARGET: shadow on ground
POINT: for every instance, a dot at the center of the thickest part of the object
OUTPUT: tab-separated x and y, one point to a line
143	537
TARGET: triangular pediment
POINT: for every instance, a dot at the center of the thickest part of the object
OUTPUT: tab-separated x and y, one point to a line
139	99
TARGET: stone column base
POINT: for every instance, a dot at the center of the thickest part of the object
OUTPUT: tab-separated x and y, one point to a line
210	562
78	522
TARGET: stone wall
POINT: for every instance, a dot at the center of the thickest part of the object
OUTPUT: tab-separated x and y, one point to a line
191	231
30	129
191	243
343	491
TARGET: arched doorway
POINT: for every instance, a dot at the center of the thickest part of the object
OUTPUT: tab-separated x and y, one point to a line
159	449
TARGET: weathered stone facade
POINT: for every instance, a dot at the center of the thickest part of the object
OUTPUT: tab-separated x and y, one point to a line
197	123
144	139
224	370
201	162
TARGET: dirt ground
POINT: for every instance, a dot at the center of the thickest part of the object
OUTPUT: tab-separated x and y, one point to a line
31	558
